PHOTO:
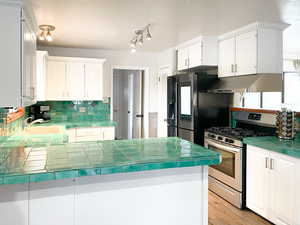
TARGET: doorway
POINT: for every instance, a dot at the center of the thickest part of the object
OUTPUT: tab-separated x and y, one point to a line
128	110
162	126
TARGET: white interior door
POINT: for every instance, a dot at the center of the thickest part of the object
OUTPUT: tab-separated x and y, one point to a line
162	126
56	81
226	57
75	81
93	81
246	53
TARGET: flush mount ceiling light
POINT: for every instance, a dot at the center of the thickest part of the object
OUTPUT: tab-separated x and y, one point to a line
45	34
140	34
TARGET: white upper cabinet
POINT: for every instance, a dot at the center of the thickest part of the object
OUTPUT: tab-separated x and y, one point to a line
195	55
246	53
56	80
75	80
253	49
272	182
79	79
198	52
226	57
17	56
93	77
182	59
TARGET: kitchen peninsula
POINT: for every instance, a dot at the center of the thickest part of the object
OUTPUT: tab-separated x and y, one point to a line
140	181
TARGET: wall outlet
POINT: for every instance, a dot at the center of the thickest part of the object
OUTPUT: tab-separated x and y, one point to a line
106	100
82	109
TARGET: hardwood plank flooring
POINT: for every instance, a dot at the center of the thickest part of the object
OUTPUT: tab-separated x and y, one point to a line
221	212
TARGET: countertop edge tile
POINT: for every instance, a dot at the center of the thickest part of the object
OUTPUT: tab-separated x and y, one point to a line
272	143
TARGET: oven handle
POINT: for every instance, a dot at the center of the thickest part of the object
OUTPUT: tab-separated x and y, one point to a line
222	147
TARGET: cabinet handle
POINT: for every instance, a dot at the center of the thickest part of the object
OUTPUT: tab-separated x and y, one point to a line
232	68
272	164
235	68
267	162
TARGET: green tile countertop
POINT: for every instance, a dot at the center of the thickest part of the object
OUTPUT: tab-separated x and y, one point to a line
69	125
53	162
287	147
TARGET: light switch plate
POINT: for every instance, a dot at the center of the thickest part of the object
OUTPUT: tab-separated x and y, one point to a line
82	109
106	100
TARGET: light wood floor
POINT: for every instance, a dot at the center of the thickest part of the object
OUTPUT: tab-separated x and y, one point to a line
221	212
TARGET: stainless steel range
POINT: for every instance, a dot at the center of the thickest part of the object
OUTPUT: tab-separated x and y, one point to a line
228	179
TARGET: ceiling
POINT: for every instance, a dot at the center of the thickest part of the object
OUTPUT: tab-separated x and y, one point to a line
109	24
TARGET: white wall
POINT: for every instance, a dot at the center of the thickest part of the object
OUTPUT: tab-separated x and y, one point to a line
168	58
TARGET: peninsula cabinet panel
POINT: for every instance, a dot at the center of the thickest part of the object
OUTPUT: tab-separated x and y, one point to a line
52	202
272	181
14	204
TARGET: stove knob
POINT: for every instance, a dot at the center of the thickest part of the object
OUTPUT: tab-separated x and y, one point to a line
229	141
211	135
220	138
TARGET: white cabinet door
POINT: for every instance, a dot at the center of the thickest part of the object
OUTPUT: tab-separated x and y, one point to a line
56	80
93	81
283	190
195	55
257	180
50	201
28	64
41	66
246	53
226	57
75	81
182	59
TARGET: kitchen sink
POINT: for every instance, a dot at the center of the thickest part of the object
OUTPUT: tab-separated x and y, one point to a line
44	130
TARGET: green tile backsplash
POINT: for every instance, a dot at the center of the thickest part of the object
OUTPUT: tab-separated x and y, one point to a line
62	111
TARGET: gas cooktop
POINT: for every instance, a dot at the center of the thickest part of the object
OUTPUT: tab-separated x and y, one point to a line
237	133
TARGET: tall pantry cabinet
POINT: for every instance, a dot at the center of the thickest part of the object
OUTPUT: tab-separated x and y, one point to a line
18	54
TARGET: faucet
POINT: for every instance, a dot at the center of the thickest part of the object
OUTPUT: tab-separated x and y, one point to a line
36	121
27	124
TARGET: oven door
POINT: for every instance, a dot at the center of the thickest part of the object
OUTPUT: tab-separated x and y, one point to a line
230	170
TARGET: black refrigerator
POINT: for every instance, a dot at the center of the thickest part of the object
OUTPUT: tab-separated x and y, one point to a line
192	108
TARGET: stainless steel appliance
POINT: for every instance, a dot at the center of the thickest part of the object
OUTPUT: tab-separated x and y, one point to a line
191	108
228	179
40	112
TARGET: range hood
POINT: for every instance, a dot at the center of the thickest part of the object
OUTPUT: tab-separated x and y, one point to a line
249	83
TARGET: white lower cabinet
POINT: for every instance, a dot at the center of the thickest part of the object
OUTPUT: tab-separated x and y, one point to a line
91	134
14	204
271	186
50	201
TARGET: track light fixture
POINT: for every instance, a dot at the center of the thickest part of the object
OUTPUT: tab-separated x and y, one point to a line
140	34
45	34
